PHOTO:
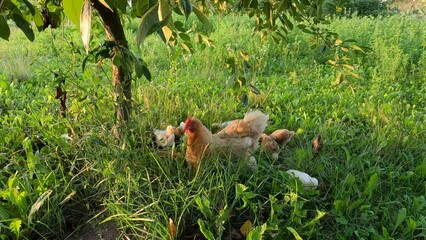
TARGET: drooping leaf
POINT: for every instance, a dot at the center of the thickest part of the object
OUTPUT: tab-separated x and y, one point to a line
203	19
24	26
86	24
103	2
186	7
244	102
72	9
187	46
36	206
150	23
38	20
165	15
254	89
338	79
4	28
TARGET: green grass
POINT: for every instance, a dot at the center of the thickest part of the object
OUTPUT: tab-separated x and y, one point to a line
372	168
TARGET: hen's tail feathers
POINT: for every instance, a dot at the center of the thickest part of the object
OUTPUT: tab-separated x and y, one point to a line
257	118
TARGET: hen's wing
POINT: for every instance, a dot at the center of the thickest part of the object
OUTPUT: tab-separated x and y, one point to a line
253	125
241	136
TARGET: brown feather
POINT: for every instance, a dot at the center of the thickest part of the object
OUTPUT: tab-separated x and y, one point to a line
282	136
237	140
269	145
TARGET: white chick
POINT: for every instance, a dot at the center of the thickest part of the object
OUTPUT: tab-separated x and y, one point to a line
165	138
307	181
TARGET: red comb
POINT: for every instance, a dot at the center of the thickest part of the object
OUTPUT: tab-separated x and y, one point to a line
188	120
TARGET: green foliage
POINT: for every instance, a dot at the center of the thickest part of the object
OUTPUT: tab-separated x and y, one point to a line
59	175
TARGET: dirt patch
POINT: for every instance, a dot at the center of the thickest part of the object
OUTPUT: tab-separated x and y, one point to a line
105	231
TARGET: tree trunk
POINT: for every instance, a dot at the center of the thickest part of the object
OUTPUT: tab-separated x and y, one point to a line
121	80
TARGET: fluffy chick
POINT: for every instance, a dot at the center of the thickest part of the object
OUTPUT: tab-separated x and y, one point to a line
165	138
269	145
282	136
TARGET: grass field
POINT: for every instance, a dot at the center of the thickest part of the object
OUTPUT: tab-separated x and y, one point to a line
66	178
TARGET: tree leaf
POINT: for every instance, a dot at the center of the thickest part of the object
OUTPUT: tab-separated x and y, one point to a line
150	23
4	28
106	5
86	24
72	9
24	26
186	7
165	16
38	20
203	19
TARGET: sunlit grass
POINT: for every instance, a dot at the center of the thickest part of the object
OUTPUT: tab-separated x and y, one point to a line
372	167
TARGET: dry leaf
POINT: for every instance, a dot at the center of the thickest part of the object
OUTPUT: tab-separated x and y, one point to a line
172	229
86	24
245	228
317	145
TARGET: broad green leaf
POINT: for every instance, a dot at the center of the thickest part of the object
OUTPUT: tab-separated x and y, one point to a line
257	232
86	24
186	7
30	7
203	204
185	37
240	189
4	28
244	102
187	46
72	9
24	26
38	20
402	214
371	185
15	226
246	228
164	14
338	79
203	19
207	233
150	23
295	234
